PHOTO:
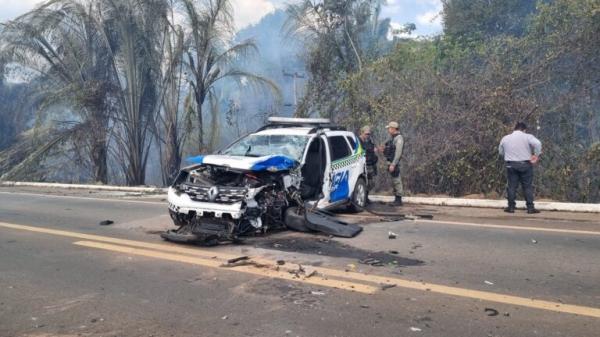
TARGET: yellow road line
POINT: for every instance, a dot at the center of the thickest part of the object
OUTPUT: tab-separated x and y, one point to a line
467	293
140	244
161	251
265	272
521	228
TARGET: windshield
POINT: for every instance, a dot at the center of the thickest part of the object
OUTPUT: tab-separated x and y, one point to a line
266	145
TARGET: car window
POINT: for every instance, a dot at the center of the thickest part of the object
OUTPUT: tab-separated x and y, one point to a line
351	141
339	147
265	145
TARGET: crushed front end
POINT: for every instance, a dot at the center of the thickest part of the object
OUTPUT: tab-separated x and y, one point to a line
215	203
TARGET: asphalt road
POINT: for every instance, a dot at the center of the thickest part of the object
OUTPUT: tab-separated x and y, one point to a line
61	274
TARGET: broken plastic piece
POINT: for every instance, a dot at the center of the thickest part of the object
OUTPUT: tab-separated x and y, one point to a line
106	223
491	311
392	235
322	222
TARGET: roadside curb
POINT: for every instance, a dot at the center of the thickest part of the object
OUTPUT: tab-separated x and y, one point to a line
456	202
84	187
483	203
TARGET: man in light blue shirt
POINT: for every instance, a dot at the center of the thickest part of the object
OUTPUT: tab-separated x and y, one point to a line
520	151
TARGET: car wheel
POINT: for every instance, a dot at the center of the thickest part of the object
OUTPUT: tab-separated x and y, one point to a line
295	220
359	197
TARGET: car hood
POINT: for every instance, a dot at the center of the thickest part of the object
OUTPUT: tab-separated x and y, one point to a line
273	163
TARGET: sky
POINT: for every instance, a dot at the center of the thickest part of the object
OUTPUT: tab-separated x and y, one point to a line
423	13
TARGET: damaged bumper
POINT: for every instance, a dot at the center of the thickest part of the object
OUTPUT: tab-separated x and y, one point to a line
181	203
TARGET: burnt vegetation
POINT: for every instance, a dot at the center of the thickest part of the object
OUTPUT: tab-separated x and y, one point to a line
105	90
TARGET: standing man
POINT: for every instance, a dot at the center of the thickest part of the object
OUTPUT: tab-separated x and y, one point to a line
520	151
367	144
393	153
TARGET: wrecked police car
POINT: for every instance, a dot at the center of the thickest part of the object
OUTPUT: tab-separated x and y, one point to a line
284	175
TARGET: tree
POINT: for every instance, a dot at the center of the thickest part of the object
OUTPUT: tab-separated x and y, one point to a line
343	35
60	42
210	56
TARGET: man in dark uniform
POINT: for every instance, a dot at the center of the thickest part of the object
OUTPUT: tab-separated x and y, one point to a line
392	151
369	147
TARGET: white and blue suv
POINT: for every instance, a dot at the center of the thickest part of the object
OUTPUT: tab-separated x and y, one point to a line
267	179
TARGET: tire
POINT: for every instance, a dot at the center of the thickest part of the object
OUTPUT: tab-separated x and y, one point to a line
295	221
358	201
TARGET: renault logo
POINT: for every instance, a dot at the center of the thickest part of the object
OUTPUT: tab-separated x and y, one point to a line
213	193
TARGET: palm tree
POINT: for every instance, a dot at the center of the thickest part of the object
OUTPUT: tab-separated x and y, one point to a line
60	43
210	56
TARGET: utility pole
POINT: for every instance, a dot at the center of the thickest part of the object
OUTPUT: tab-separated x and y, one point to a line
294	76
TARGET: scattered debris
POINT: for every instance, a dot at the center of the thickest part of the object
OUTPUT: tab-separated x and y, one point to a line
394	252
280	262
387	286
491	312
238	259
287	332
506	314
308	272
392	235
371	262
364	306
488	283
277	245
303	272
351	267
415	329
106	223
224	317
317	293
533	241
242	261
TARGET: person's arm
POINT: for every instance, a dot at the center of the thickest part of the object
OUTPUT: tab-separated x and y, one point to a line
399	142
536	145
501	148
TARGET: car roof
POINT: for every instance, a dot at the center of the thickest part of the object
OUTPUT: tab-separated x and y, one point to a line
292	131
300	131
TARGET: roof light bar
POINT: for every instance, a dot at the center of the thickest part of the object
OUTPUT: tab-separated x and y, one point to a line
287	120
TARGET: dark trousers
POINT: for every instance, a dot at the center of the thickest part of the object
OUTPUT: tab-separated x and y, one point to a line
519	173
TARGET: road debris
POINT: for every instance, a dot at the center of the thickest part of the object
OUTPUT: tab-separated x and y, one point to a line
280	262
385	287
317	293
351	267
238	259
392	235
489	283
491	312
106	223
225	317
393	252
415	329
371	262
534	241
364	306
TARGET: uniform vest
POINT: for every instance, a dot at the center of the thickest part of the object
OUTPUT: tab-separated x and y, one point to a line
389	151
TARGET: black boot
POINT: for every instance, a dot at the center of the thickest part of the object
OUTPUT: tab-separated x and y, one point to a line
397	201
509	209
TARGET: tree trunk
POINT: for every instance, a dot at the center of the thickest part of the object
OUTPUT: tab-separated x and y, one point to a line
199	102
99	157
172	155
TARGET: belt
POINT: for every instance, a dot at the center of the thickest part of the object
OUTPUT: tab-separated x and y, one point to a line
518	162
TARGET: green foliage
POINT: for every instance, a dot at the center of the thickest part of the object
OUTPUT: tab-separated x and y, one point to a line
457	95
